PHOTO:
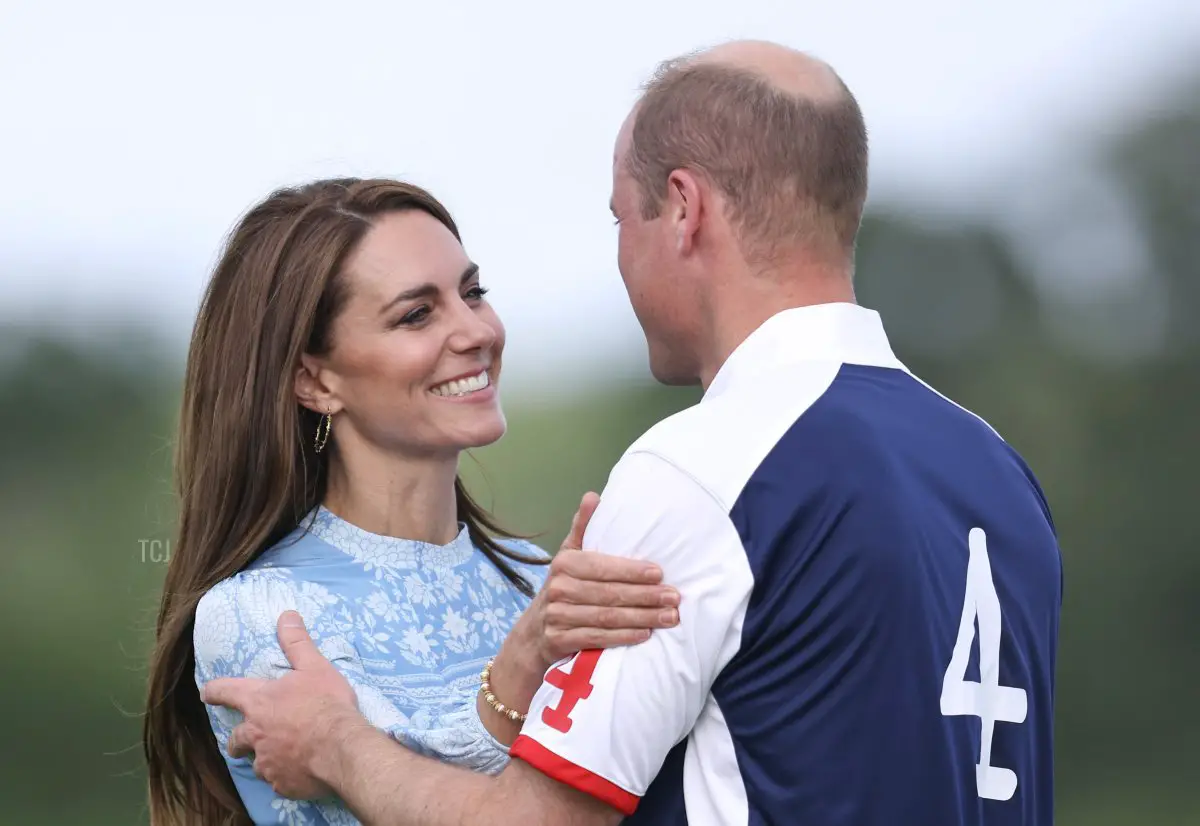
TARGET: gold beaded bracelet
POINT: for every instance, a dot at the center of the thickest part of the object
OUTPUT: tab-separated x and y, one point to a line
485	685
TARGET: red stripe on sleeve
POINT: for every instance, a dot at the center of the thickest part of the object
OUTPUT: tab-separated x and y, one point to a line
577	777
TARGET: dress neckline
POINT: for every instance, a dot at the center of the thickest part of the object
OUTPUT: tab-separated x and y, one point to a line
389	551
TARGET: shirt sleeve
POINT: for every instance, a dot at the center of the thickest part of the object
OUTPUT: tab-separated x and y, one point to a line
604	721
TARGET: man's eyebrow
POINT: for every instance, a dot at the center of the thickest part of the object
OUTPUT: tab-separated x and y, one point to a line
427	289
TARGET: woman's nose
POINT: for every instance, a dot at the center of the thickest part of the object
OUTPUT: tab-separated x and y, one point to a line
473	332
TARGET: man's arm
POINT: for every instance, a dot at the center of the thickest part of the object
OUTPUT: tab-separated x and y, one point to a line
588	755
605	721
309	717
601	724
579	607
385	784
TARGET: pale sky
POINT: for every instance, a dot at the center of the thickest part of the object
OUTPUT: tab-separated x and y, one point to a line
134	136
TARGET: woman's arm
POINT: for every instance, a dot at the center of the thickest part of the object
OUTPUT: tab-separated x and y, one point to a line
227	644
585	601
588	600
305	726
235	636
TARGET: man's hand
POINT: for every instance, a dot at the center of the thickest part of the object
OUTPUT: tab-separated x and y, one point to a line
290	722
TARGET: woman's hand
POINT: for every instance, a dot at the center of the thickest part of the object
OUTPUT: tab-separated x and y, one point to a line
591	600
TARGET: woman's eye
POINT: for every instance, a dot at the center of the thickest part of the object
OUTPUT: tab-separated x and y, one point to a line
422	313
415	316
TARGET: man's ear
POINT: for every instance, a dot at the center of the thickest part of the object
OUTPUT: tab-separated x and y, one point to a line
311	390
684	206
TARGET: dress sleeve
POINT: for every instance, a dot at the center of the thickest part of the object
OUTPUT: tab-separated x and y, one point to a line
228	643
235	636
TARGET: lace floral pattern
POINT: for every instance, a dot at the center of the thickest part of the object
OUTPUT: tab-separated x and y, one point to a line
410	625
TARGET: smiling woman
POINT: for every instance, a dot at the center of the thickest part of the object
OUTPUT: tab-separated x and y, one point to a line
343	358
414	326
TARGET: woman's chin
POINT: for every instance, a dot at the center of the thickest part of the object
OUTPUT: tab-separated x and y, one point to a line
483	434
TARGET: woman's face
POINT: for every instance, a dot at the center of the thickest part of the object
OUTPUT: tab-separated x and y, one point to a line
415	356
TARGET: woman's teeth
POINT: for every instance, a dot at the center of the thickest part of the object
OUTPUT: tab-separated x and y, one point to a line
461	387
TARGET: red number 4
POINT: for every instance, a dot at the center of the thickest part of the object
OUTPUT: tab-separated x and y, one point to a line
576	685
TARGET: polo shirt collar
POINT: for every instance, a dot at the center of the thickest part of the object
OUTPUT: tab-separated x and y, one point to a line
840	333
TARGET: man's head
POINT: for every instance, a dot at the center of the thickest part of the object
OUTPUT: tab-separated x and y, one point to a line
740	168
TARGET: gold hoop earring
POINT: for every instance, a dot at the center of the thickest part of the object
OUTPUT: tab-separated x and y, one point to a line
327	423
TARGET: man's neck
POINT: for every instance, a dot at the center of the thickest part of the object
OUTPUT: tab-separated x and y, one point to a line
745	304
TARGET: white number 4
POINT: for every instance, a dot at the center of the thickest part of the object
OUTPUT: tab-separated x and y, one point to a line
986	699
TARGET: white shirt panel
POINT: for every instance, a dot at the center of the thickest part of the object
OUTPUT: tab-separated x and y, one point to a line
645	699
668	500
713	790
721	441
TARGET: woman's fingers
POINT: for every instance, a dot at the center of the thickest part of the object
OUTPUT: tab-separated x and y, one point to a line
587	506
565	589
592	600
603	568
564	615
570	641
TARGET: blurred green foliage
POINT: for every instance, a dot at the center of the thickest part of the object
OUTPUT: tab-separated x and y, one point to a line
1110	427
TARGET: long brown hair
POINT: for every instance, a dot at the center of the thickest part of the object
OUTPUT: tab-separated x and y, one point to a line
246	470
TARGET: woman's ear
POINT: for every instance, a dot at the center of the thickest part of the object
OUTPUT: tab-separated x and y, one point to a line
311	390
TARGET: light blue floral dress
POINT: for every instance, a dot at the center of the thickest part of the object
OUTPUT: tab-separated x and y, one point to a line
410	625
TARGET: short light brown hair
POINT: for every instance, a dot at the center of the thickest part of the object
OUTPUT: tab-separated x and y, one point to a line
791	169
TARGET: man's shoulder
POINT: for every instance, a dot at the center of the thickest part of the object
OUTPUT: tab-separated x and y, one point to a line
660	503
718	443
674	444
